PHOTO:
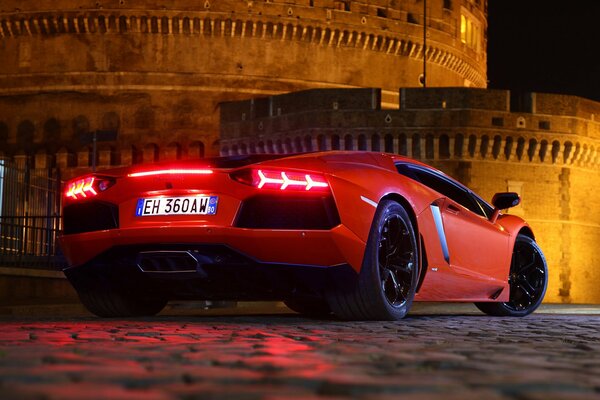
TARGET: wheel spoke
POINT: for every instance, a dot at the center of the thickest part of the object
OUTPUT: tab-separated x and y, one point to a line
525	292
390	286
395	260
401	265
524	283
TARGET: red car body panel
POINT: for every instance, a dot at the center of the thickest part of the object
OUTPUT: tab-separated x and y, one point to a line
480	250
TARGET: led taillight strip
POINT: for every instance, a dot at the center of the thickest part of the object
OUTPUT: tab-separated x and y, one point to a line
81	188
171	172
285	182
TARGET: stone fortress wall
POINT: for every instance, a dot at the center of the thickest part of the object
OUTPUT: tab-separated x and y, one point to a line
155	72
545	147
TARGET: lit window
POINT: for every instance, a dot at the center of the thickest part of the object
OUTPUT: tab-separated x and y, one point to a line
469	30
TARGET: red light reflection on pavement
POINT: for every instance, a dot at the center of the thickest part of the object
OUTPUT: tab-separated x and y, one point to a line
132	354
283	357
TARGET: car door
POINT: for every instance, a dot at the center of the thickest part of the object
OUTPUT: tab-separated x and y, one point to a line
475	251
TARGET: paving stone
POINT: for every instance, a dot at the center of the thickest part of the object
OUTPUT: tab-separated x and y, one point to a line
287	357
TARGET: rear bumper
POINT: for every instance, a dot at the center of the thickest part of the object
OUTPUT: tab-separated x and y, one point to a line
222	274
313	248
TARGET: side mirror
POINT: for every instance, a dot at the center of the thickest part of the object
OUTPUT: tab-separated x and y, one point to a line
502	201
505	200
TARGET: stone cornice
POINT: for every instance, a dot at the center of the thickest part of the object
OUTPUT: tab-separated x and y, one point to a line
225	25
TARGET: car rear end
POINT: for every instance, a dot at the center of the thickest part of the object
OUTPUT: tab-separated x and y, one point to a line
226	228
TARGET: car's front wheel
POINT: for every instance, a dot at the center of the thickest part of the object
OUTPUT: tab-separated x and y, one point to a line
388	278
107	303
528	280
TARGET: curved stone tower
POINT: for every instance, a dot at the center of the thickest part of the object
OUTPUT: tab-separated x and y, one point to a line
155	71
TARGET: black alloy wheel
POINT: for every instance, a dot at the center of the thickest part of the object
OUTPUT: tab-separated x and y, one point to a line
388	277
396	260
528	280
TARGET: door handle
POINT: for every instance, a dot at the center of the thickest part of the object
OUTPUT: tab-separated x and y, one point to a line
452	209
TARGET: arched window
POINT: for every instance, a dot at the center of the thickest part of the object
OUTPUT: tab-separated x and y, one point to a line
164	25
555	150
567	151
543	150
520	148
508	147
483	148
532	149
154	25
123	24
472	145
348	142
497	146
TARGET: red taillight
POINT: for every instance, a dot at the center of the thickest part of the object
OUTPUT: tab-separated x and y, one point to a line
87	187
171	172
282	180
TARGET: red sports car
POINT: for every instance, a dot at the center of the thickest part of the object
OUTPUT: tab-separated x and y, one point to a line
357	234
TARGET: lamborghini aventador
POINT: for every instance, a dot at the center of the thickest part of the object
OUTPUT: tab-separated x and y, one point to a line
357	235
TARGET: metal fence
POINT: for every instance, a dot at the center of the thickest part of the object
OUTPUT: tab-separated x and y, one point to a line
29	217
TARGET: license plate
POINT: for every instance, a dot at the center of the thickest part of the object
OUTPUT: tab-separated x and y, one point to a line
186	205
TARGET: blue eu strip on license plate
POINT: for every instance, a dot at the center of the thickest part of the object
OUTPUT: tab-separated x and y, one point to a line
184	205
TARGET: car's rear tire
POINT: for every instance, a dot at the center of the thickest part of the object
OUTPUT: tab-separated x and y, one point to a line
119	304
389	274
528	280
314	308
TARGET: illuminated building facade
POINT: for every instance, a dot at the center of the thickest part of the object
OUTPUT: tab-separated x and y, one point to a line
155	73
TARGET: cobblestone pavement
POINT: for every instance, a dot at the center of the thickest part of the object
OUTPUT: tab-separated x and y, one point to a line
543	356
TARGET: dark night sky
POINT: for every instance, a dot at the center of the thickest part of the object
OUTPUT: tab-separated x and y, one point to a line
545	46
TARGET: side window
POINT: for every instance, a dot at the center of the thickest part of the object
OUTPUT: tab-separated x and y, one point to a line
448	189
403	169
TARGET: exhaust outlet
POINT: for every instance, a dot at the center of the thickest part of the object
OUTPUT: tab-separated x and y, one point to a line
172	261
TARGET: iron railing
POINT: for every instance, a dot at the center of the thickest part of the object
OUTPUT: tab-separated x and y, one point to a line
29	217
